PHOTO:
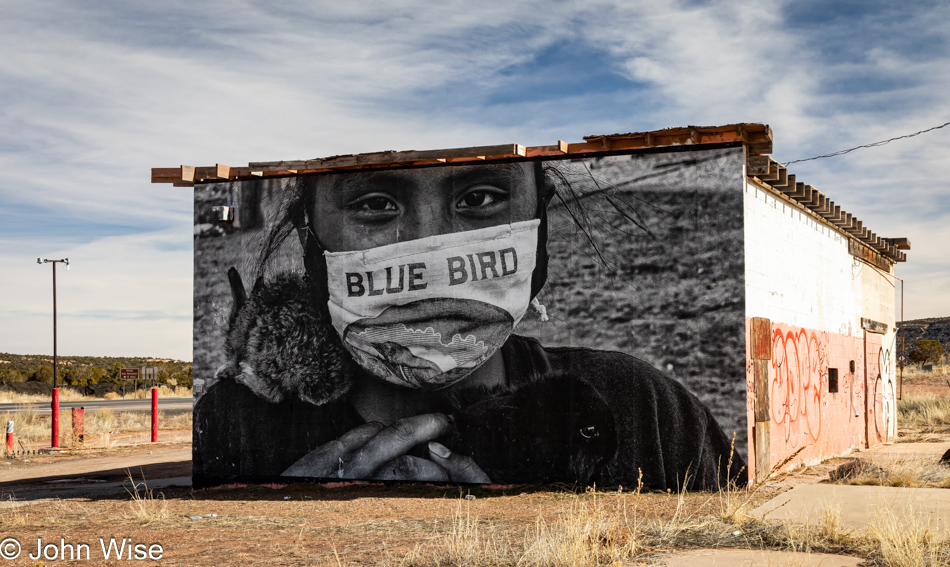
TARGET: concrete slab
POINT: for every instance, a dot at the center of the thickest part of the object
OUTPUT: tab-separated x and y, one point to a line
859	505
910	450
758	558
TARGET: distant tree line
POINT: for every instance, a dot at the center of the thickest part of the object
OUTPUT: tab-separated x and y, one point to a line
86	370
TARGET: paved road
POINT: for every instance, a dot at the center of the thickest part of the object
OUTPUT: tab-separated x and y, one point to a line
114	405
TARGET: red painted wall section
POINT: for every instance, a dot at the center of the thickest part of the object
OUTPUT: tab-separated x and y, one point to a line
803	413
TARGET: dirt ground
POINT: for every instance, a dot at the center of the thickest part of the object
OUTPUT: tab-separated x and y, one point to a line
939	385
78	496
299	524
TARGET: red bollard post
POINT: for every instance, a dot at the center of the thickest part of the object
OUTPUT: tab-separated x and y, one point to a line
9	437
154	415
55	440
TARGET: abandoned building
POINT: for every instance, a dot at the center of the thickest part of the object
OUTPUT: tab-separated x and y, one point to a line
688	248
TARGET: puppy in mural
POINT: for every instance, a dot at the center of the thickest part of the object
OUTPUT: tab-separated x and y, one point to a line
391	354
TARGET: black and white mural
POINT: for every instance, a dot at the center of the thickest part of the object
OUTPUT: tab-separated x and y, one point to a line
573	320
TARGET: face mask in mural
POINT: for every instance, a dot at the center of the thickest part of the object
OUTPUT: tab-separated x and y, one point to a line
425	313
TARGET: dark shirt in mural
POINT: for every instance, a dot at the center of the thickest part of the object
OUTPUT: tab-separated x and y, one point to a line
567	414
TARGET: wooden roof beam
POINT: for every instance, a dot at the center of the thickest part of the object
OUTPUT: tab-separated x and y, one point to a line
877	244
560	148
773	171
842	218
789	187
900	243
813	197
758	166
854	227
758	138
216	171
394	158
798	193
838	217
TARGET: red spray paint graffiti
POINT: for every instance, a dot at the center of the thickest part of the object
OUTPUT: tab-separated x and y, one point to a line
797	370
807	419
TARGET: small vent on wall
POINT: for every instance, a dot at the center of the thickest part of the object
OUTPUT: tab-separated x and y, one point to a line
832	380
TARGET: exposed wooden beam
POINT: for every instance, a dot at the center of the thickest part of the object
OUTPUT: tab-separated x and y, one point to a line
799	193
166	174
781	180
789	186
772	174
900	243
500	151
188	173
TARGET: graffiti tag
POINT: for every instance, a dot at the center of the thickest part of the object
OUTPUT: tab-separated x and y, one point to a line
797	371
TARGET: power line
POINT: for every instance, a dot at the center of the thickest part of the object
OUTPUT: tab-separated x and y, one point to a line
875	144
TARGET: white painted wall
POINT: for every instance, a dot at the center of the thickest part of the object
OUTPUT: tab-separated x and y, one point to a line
797	270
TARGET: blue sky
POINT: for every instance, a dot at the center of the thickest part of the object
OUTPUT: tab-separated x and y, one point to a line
95	95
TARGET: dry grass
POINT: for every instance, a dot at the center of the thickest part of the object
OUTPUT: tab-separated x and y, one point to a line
599	529
734	499
70	395
922	418
32	427
146	507
14	512
65	395
593	530
913	472
924	413
939	371
471	542
911	436
906	541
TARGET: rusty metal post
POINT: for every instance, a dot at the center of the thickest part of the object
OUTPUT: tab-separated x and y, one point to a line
55	407
154	415
79	424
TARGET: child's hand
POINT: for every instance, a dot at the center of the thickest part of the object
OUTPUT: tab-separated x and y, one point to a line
374	451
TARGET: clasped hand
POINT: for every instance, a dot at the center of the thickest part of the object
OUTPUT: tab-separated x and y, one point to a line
379	452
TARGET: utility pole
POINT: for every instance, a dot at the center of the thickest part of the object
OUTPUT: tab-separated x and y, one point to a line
55	402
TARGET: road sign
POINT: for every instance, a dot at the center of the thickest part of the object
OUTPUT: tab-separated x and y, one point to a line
149	373
129	373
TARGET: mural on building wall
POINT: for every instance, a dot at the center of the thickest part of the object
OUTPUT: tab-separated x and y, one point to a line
509	322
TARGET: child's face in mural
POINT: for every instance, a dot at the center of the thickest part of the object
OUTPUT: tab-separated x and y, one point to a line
370	209
359	211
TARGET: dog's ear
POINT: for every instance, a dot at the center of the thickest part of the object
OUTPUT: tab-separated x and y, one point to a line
238	294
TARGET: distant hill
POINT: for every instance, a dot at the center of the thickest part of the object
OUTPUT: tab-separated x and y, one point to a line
933	329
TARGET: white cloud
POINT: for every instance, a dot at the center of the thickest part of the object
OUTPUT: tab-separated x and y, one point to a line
95	96
123	295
